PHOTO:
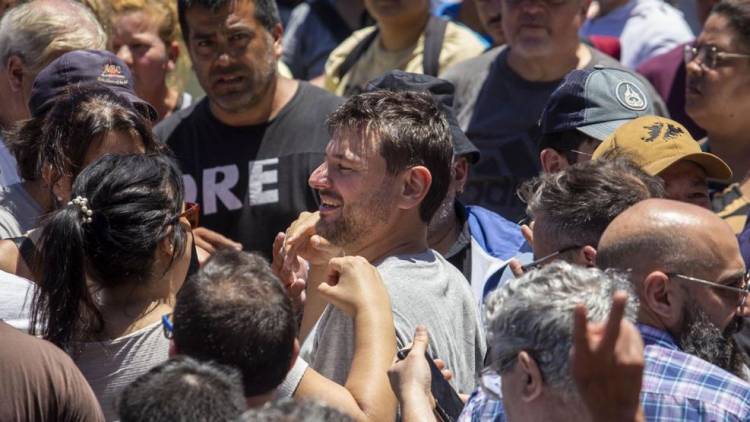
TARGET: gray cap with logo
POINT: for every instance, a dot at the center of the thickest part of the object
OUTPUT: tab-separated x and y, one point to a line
595	101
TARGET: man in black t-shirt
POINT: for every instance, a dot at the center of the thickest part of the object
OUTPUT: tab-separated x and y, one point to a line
247	149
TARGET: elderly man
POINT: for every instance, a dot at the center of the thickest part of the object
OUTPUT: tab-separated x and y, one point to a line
685	264
500	95
31	36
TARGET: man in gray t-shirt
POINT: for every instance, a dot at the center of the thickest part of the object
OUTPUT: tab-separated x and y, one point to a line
500	96
386	171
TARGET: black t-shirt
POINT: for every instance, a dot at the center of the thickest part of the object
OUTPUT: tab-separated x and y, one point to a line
251	181
502	126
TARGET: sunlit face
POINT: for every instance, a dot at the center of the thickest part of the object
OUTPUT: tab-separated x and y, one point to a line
490	14
136	42
356	194
685	181
234	56
538	28
719	99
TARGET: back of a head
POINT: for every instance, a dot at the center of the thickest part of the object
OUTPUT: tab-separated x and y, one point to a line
234	311
38	31
183	389
578	203
79	119
664	234
289	410
410	129
543	301
124	208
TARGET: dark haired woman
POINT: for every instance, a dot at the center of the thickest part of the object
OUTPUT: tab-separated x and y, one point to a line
83	124
111	263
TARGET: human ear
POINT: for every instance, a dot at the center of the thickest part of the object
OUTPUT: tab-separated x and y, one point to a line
14	68
659	299
533	375
173	52
278	34
460	173
416	183
552	161
588	256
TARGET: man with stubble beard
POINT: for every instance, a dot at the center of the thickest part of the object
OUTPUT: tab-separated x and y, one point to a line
686	267
247	148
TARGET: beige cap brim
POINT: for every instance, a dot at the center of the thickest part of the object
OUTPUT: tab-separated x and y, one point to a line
714	166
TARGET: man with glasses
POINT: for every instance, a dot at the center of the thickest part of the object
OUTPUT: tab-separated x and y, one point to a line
501	94
686	266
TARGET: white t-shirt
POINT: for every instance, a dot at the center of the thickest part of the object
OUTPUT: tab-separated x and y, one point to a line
8	170
15	300
645	28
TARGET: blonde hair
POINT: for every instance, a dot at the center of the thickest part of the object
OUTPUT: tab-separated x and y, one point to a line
40	31
163	11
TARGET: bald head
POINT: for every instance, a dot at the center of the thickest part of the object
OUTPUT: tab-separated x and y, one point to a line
665	235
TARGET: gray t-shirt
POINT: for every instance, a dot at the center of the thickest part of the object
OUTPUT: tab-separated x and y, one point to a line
424	289
19	212
499	110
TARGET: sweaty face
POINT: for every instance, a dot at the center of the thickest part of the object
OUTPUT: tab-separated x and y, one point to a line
234	56
136	42
685	181
719	99
490	13
356	194
537	28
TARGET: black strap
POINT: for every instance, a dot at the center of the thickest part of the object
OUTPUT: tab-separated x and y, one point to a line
26	248
331	19
433	44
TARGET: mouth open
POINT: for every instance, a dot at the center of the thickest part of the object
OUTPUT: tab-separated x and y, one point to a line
229	80
328	204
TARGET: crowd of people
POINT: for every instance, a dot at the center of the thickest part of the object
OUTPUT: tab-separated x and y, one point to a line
521	210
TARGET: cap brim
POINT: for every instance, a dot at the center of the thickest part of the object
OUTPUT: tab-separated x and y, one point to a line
142	106
715	167
602	130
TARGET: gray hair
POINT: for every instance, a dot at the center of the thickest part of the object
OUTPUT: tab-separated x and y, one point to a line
534	313
579	202
40	31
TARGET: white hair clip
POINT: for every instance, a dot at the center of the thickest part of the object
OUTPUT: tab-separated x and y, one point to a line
83	206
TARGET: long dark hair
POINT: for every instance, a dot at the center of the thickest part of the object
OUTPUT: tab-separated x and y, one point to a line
135	202
79	118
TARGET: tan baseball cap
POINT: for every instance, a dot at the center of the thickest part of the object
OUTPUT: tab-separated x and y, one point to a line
655	143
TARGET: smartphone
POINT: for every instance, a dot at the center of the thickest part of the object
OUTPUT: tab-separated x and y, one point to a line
448	404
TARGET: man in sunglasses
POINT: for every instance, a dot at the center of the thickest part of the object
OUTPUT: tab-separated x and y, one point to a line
685	265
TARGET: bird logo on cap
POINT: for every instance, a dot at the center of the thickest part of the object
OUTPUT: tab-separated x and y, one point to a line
630	96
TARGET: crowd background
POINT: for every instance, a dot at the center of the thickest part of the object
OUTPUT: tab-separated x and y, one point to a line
374	210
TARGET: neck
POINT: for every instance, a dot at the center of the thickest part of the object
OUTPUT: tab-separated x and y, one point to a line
443	234
396	37
734	153
163	99
280	91
410	236
550	68
606	7
40	192
259	400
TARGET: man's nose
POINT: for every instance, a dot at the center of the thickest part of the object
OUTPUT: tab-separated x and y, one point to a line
319	178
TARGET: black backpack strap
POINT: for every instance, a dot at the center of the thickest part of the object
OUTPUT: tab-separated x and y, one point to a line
26	248
331	19
433	45
356	53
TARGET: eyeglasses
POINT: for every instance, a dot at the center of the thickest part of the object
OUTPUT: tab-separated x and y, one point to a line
536	264
743	289
192	213
709	55
167	327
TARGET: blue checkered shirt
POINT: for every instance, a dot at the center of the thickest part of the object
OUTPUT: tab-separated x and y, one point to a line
676	387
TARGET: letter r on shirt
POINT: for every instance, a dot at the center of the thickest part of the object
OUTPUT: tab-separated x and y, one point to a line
215	186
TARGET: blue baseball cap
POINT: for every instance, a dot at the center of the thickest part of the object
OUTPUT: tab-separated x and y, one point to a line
85	67
595	101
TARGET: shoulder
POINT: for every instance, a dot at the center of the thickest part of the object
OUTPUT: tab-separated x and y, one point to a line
460	43
168	126
323	100
468	69
684	376
339	54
